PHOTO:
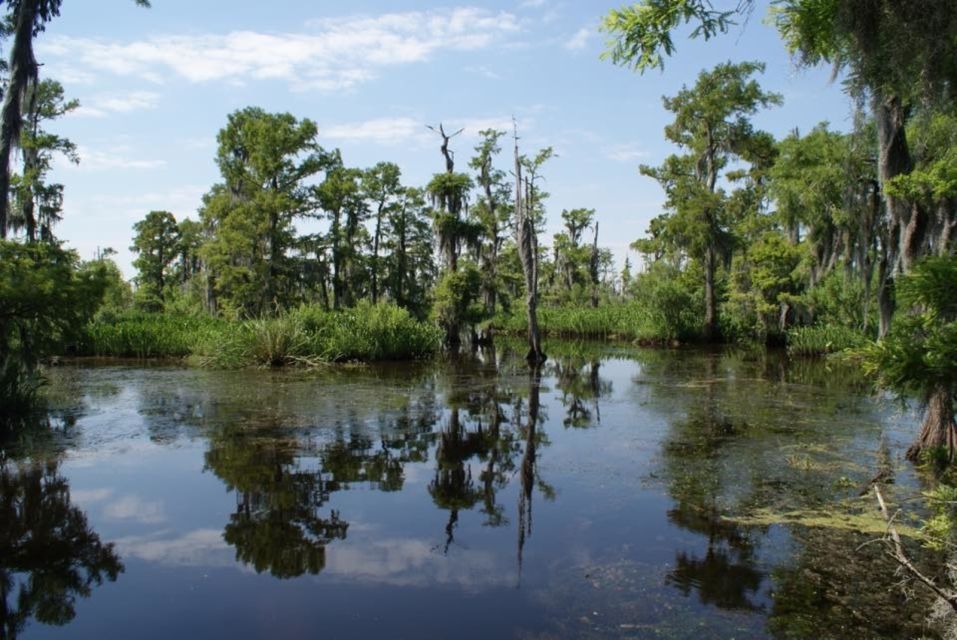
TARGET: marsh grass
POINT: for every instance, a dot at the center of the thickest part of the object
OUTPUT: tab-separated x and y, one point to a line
822	340
147	335
626	321
311	336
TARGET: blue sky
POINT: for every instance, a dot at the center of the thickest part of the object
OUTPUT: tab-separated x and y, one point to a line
156	86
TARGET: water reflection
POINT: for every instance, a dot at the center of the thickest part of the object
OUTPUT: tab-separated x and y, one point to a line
578	377
730	450
671	468
49	555
279	524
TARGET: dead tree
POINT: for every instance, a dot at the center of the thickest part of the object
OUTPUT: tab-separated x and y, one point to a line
528	251
594	265
446	152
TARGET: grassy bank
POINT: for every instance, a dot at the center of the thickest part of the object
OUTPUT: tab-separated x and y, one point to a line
306	336
628	321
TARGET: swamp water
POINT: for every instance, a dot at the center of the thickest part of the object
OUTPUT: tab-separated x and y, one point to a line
618	493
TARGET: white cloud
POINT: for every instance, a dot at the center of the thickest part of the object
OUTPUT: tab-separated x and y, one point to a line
472	126
338	54
181	201
92	160
391	131
624	153
483	71
379	130
202	547
412	562
109	158
102	105
86	497
136	509
580	40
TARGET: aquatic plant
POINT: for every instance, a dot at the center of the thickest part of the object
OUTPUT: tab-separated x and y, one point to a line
819	340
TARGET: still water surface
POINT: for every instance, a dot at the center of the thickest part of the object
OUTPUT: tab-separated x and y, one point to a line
616	493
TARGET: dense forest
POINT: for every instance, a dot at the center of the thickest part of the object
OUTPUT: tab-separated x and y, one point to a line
822	241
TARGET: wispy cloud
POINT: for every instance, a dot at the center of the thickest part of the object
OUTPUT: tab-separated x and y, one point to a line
624	153
105	104
109	158
181	200
405	130
136	509
335	54
483	71
202	547
86	497
580	39
472	126
379	130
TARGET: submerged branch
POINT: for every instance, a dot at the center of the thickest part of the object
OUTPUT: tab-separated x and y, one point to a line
896	551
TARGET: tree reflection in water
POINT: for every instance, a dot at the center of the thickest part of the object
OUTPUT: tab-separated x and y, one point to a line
285	470
578	378
490	423
284	478
474	429
49	556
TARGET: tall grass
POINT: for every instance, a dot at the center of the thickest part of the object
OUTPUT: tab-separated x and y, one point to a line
819	340
626	321
311	336
308	335
147	335
368	332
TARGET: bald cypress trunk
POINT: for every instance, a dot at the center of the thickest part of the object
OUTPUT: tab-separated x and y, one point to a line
938	431
893	160
710	299
23	73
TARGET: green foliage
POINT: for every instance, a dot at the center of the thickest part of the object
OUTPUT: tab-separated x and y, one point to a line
308	335
265	160
156	243
641	33
117	294
938	529
919	355
933	182
410	265
670	303
762	278
711	125
373	333
884	44
37	203
456	297
45	300
842	301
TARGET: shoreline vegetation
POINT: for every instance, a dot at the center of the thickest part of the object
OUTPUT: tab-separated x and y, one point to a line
311	336
306	336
